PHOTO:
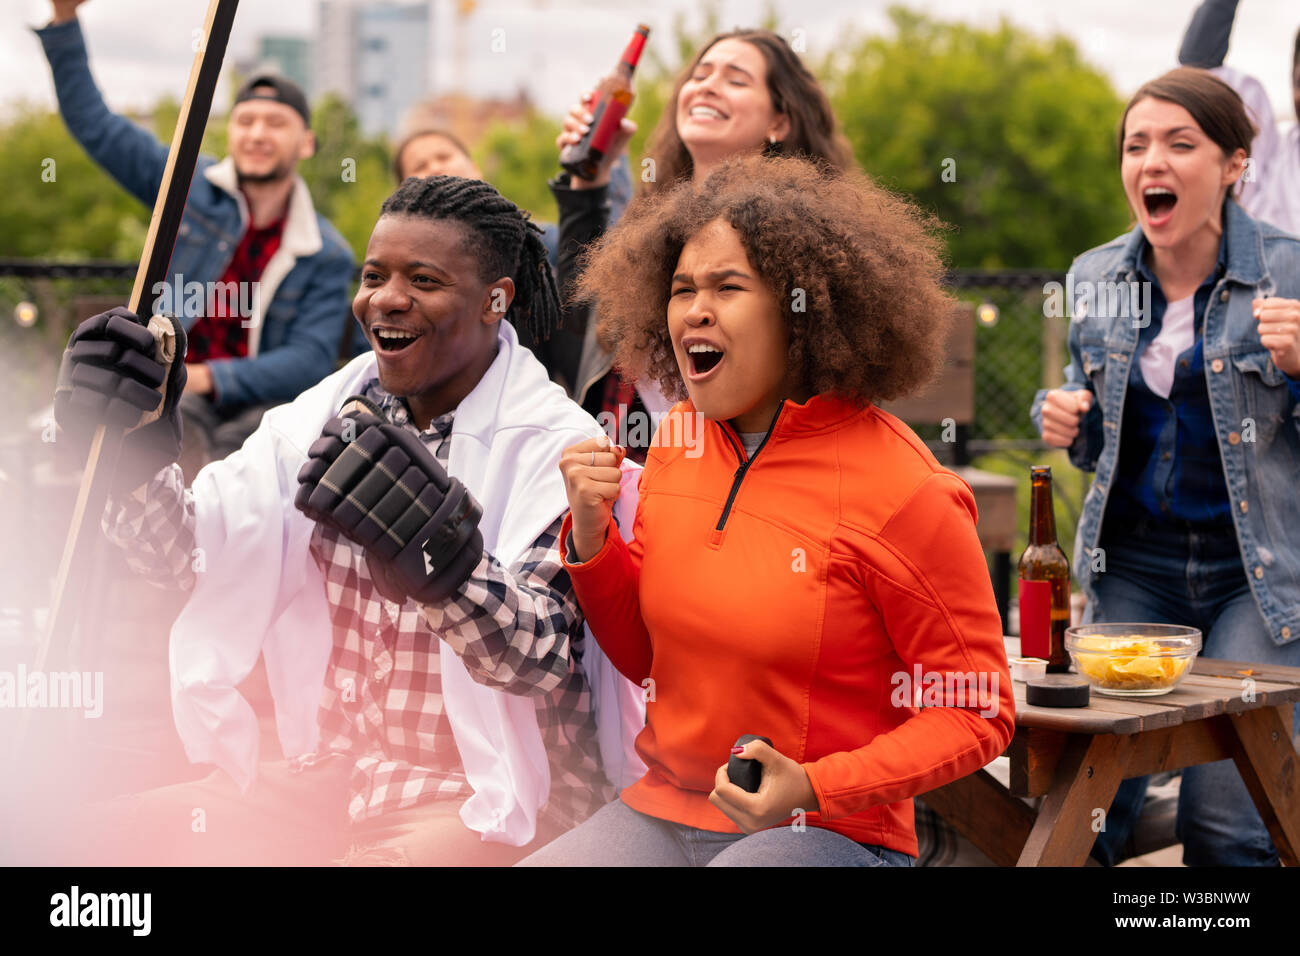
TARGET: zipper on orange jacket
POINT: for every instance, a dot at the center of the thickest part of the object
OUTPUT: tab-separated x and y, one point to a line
739	448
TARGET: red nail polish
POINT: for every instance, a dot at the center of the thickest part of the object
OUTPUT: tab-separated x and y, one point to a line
737	750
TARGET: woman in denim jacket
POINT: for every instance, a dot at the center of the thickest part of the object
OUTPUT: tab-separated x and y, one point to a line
1183	395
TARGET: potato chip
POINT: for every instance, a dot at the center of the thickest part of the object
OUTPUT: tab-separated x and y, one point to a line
1135	664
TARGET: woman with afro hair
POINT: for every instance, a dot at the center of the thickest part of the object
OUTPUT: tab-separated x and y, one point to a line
802	568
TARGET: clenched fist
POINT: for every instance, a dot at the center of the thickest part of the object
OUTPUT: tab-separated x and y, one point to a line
1279	332
114	373
592	476
380	486
65	10
1063	411
784	789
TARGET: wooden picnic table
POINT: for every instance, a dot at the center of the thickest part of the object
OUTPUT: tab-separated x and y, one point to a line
1076	757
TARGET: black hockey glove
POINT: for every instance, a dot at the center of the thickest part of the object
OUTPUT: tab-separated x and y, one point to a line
379	485
113	374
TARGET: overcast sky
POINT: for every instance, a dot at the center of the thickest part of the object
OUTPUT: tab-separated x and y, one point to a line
141	49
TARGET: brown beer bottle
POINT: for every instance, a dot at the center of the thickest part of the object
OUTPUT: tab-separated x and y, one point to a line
1044	581
613	96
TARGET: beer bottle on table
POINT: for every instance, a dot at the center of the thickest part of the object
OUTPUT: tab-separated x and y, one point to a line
613	96
1044	581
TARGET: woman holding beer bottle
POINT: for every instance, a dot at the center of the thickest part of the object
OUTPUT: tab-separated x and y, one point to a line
744	92
1185	406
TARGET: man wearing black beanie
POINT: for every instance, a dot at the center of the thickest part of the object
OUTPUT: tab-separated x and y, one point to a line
259	279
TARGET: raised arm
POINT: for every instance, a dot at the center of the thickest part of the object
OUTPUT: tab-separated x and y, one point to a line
1205	44
584	215
585	210
605	569
128	153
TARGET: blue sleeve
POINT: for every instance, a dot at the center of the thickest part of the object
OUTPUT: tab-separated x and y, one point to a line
310	347
620	189
1293	385
128	153
1205	44
551	239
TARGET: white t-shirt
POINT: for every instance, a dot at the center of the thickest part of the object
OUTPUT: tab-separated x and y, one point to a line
1176	335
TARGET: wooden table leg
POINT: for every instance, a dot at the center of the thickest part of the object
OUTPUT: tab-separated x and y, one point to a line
1087	776
1267	761
984	812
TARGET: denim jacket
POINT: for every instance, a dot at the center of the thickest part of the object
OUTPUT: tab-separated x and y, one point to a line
1256	413
299	318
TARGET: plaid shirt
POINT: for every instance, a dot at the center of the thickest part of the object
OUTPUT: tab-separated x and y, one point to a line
517	629
224	332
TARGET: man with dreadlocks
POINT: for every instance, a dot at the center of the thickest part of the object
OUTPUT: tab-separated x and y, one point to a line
388	543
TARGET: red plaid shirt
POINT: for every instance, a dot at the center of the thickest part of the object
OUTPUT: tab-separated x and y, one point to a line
224	334
518	629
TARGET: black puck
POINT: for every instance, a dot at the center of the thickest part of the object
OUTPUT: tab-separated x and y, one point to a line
1057	690
745	773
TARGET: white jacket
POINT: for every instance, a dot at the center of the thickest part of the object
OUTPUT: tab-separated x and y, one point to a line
1271	189
262	593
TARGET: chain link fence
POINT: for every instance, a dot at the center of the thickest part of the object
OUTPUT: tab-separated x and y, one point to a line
1017	352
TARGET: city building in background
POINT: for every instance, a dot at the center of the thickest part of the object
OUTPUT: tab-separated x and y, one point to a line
376	55
467	117
289	56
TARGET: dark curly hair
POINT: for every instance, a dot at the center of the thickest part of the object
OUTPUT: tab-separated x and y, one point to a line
499	234
868	263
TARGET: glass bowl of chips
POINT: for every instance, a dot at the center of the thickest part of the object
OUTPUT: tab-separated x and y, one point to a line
1132	660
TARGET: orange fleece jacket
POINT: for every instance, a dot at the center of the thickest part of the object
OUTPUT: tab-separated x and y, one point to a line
843	585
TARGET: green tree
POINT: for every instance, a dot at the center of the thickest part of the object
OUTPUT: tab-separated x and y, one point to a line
64	205
348	176
519	158
1020	125
59	203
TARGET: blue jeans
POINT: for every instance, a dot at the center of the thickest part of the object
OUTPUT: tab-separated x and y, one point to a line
617	835
1158	572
